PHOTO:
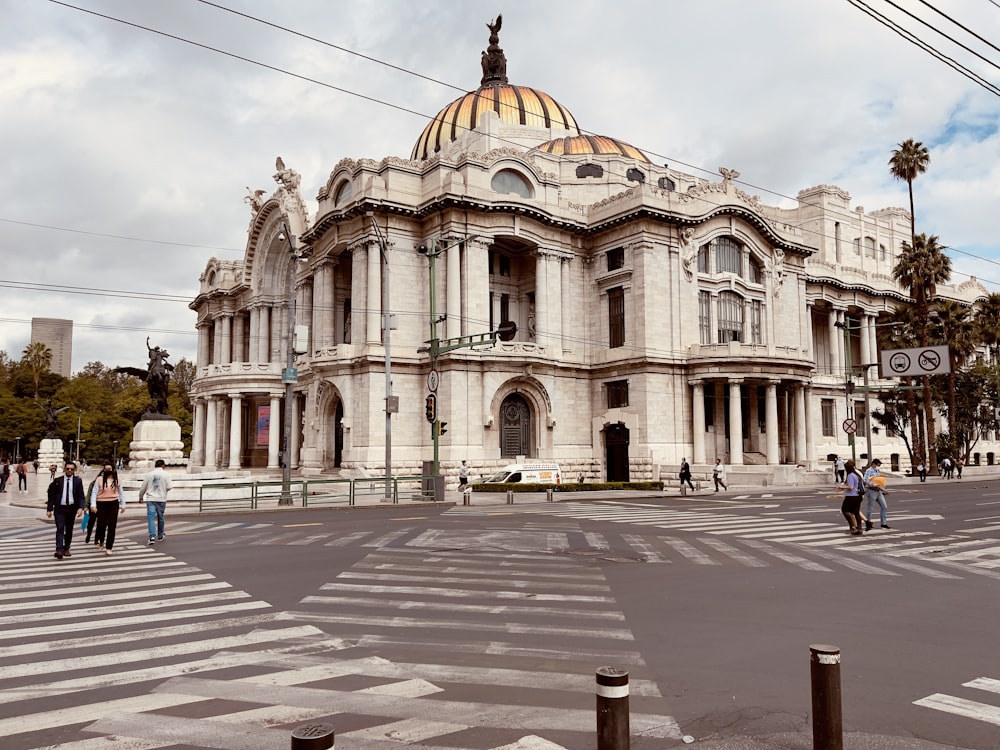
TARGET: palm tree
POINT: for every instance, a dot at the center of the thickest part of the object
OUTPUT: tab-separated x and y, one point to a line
39	358
920	267
908	162
953	325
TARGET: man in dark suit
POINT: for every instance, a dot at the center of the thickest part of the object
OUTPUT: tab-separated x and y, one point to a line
66	499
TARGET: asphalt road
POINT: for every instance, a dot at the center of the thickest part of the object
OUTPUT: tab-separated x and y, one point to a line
481	627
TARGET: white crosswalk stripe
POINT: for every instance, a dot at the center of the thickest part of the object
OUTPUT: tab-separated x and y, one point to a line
497	609
918	552
971	709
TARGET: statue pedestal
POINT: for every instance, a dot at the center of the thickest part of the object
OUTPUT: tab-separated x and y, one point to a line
155	439
50	451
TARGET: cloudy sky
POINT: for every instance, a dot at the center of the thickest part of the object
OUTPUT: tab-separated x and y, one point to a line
126	153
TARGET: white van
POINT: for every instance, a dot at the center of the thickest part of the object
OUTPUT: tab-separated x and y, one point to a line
534	473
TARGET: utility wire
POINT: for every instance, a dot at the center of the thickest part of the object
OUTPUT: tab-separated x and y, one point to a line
857	3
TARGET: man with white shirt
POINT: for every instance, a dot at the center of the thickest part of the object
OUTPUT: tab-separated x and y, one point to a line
65	500
153	491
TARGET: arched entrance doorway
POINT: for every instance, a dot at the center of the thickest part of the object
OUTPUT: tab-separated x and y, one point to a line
616	452
515	427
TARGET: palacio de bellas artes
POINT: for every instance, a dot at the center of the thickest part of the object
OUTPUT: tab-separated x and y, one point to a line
659	315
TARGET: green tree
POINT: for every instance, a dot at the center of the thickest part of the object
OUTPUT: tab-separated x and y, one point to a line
38	358
906	163
952	324
920	267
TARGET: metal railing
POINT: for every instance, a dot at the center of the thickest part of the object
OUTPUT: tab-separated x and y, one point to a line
309	493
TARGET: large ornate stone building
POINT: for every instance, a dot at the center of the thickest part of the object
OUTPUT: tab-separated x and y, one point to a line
660	315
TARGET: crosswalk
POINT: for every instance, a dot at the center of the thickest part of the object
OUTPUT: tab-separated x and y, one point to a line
509	637
754	540
141	650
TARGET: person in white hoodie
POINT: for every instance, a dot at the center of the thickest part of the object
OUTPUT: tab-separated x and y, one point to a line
153	491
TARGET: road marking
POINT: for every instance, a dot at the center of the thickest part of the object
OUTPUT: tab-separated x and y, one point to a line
688	551
961	707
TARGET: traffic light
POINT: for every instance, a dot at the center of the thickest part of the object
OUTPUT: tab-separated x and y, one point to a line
441	429
430	408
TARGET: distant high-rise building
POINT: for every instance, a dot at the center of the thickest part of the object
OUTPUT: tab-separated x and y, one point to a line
57	335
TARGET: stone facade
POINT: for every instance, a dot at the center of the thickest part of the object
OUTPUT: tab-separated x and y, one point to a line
660	315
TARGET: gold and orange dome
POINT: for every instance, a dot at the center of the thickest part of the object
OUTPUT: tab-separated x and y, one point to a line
515	105
591	144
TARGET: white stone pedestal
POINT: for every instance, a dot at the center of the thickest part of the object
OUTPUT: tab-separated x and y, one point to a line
154	439
50	451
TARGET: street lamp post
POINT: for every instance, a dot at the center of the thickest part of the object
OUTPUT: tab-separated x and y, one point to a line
290	376
79	416
391	405
114	457
17	448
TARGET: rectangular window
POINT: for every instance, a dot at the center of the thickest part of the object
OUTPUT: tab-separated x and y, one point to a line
616	258
616	317
617	394
504	263
728	256
703	259
829	413
504	307
756	322
730	317
709	404
704	317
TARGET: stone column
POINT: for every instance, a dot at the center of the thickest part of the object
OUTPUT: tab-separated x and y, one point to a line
293	439
800	424
217	348
842	344
255	334
810	431
865	340
771	423
274	431
235	429
227	339
873	340
204	355
359	295
835	336
808	342
553	311
735	423
564	288
453	290
541	298
264	338
211	462
239	336
374	305
698	421
198	438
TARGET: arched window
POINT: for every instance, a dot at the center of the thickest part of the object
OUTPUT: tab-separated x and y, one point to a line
730	317
870	247
211	278
345	191
728	256
508	181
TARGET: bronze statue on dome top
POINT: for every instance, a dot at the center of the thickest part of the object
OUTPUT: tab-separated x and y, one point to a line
494	61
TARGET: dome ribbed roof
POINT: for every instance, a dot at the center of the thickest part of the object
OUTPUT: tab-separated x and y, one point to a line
515	105
592	144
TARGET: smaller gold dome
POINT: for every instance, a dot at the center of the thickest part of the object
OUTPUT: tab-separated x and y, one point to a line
581	145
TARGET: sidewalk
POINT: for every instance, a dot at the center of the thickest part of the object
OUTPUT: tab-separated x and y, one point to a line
25	508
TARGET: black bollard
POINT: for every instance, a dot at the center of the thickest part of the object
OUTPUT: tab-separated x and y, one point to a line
612	709
312	737
824	673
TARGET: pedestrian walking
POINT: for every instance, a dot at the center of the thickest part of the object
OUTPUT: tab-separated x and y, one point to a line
64	500
155	486
22	477
922	471
463	478
719	474
851	507
107	501
35	464
841	470
4	475
958	467
874	483
946	468
685	475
